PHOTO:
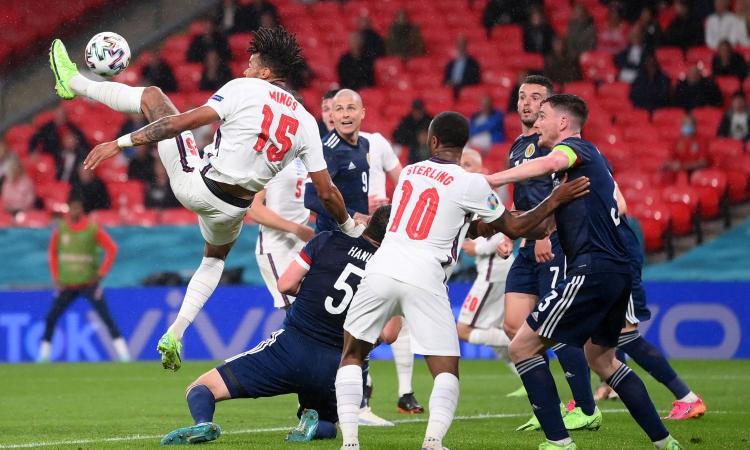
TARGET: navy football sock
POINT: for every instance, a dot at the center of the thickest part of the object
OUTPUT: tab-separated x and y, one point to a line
651	359
576	369
326	430
542	392
633	394
620	354
366	390
202	404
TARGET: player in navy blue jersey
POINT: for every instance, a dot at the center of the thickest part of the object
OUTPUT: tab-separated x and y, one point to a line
347	157
540	264
587	308
301	358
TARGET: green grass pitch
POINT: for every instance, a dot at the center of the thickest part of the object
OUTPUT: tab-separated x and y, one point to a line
93	406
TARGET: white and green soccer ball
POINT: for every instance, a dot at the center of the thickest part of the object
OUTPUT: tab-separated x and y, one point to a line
107	54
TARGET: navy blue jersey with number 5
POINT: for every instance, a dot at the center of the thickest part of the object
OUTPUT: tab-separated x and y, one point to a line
336	265
588	227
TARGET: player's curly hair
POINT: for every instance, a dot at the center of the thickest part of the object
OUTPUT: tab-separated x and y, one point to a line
278	49
378	221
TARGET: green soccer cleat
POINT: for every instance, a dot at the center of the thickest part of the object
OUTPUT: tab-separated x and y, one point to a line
520	392
63	68
578	420
306	429
672	444
171	351
547	445
202	432
533	423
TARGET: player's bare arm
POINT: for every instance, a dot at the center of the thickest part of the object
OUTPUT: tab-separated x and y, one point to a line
265	216
329	195
159	130
290	281
547	165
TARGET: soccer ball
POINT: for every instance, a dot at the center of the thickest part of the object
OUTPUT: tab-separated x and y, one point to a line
107	54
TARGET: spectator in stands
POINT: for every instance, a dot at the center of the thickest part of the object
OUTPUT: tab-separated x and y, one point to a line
504	12
417	119
159	194
355	69
210	39
630	60
559	66
581	35
215	73
696	90
132	123
650	89
6	159
268	20
17	190
736	121
141	166
421	151
685	30
648	24
404	38
689	152
48	138
537	34
463	70
157	72
71	156
325	124
90	189
373	42
226	16
612	37
248	18
724	24
728	62
486	127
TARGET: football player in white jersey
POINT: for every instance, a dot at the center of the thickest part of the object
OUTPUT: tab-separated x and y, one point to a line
263	128
481	317
432	210
280	211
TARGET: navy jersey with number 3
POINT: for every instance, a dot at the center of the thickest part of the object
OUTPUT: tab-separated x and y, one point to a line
529	193
336	266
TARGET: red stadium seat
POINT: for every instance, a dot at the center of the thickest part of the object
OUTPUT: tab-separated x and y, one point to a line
598	66
702	56
683	203
127	195
667	55
40	167
107	217
18	137
32	219
142	218
6	220
724	152
508	37
178	216
238	44
711	185
174	51
632	118
644	132
728	86
668	118
655	221
708	118
584	89
188	76
615	90
54	194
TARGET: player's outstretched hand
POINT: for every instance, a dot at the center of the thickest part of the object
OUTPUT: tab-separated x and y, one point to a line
504	248
100	153
567	191
304	232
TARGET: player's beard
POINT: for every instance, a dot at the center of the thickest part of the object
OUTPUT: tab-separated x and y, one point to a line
528	124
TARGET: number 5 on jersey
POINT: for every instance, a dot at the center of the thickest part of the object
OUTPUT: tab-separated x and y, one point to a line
286	128
342	284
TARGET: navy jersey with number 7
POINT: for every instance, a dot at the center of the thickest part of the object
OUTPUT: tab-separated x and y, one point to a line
336	264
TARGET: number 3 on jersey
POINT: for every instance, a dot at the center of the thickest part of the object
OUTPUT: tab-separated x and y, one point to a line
420	221
287	126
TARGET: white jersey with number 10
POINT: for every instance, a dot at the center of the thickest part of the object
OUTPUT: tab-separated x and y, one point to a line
263	130
432	206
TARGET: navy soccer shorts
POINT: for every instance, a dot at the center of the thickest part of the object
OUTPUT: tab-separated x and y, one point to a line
526	276
584	307
288	362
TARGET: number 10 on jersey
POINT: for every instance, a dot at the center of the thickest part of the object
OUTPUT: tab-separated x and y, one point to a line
286	128
420	221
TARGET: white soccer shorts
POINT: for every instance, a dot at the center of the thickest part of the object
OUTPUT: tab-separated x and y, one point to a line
429	317
220	223
484	306
272	266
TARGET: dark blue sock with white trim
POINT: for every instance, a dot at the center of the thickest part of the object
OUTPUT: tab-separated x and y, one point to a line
653	360
542	392
633	394
326	430
577	373
202	404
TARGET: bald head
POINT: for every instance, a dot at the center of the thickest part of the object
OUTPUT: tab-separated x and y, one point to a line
348	113
471	160
348	95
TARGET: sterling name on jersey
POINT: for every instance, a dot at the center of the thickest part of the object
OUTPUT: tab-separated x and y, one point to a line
263	129
588	226
382	160
432	206
336	264
529	193
285	195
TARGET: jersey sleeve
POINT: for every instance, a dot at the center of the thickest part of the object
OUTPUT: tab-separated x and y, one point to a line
227	99
309	253
384	151
311	151
480	199
576	156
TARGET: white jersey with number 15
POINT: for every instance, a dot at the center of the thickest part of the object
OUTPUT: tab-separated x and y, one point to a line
263	129
433	204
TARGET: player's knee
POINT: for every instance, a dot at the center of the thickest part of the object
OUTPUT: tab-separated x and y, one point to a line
155	104
510	329
463	331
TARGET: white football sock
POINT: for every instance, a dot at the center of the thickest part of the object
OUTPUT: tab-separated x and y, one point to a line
201	286
494	337
348	399
45	348
121	348
565	441
404	360
443	401
117	96
690	398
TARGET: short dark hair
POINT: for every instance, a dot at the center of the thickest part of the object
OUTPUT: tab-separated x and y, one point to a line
378	221
278	49
572	104
451	129
330	94
541	80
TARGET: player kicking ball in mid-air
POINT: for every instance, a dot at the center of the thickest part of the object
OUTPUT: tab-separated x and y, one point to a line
263	129
587	308
301	358
431	212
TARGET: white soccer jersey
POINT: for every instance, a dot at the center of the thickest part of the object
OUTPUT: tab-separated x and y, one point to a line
490	266
285	195
263	129
432	206
382	160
